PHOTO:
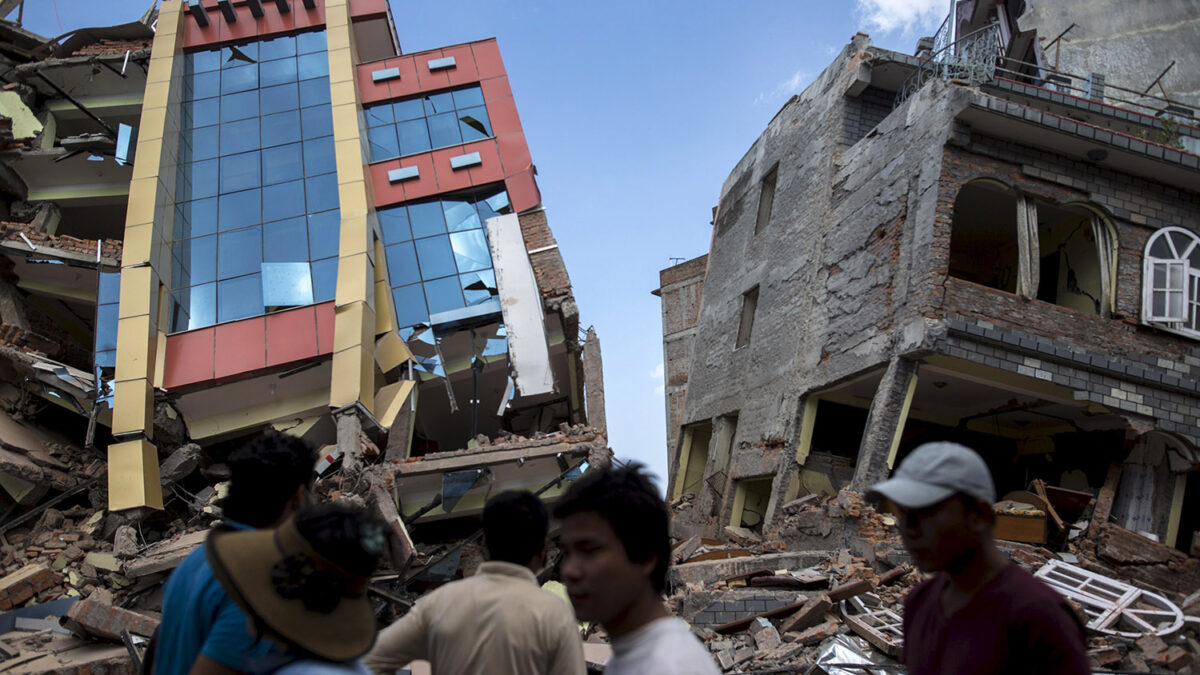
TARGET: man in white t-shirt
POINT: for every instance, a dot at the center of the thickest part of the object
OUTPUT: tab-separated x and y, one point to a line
616	550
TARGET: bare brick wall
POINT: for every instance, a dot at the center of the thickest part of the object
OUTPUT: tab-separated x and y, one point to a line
865	111
109	248
548	265
681	291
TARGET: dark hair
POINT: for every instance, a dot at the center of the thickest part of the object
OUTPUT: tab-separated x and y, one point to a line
514	526
628	500
346	536
264	475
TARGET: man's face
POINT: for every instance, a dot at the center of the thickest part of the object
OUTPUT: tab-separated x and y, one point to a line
940	537
601	580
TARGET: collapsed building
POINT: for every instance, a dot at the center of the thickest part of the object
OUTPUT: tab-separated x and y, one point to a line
971	244
992	240
228	217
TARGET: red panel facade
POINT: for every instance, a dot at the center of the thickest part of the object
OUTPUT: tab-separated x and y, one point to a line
220	31
241	347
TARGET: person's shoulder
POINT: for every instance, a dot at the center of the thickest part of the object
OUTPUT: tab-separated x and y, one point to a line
924	589
687	654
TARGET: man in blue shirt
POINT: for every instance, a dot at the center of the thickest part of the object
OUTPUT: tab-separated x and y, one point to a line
203	630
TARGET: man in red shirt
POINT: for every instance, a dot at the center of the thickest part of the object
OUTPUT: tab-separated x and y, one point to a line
980	614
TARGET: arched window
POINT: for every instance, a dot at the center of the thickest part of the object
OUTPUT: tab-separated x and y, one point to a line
983	235
1171	281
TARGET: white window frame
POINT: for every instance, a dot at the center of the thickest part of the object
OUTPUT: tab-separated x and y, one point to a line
1182	281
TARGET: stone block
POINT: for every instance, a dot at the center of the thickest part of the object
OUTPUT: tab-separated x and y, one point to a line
765	636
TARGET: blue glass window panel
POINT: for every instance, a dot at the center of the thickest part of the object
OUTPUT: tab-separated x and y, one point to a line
402	264
314	92
202	143
197	259
240	78
202	85
410	305
239	252
460	215
201	62
239	298
106	359
284	200
414	136
322	192
310	42
318	156
202	177
278	99
443	130
467	98
239	209
317	121
286	284
282	163
470	251
478	287
313	65
285	241
438	103
280	128
109	288
379	114
324	276
443	295
239	136
106	327
383	142
228	60
239	106
427	219
323	234
436	258
394	223
474	124
272	73
240	172
411	109
278	48
194	307
497	204
201	113
196	218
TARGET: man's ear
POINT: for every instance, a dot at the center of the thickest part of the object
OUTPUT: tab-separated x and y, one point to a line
647	566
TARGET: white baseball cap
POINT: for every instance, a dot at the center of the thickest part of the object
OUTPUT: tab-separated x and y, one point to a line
936	471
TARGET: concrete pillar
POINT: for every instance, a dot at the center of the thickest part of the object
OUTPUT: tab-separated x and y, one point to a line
885	422
593	381
12	305
349	438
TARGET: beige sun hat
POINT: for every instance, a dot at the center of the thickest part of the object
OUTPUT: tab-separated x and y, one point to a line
263	571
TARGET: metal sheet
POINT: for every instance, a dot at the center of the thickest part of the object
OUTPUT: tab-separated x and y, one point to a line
521	305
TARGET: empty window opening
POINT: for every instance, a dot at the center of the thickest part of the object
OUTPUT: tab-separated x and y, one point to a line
746	325
750	502
1171	281
1070	271
766	199
693	458
983	236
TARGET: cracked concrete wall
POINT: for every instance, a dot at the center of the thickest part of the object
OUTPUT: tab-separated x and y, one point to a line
840	265
1129	43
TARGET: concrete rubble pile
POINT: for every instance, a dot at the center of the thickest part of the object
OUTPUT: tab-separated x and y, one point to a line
82	586
832	571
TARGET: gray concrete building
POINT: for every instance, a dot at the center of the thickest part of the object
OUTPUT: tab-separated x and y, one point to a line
965	243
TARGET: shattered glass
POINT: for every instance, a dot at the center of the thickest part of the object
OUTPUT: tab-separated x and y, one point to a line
471	252
287	284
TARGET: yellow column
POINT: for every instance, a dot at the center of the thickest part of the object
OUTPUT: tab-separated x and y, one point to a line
133	464
354	322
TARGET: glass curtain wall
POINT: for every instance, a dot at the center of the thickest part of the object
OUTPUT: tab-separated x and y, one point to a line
427	123
256	216
437	254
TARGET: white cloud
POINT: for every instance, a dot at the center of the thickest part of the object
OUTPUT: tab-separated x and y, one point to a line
657	373
660	389
907	16
792	85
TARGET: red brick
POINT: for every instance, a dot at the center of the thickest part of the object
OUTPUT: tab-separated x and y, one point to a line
103	620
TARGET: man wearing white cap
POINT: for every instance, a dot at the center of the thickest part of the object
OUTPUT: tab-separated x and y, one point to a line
980	614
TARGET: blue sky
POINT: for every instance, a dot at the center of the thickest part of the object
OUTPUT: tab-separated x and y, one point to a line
635	112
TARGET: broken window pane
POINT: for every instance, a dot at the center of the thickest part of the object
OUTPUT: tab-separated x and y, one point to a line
474	124
286	284
383	142
460	215
438	103
470	251
479	287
